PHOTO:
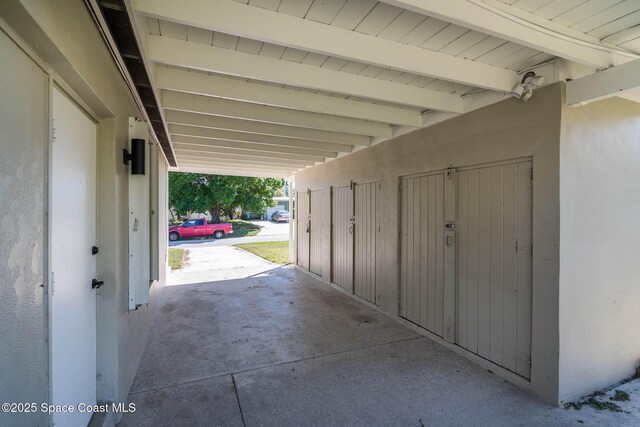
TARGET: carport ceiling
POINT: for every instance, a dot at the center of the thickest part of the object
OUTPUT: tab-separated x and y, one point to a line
268	87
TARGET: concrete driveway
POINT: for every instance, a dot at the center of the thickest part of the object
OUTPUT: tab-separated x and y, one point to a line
279	348
269	232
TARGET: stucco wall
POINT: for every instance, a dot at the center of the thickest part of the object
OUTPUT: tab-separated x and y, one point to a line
23	194
506	130
599	245
63	35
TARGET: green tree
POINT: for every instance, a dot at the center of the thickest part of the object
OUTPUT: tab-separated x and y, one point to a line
220	194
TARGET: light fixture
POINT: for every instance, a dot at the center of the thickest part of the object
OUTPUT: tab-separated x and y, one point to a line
136	157
524	89
518	91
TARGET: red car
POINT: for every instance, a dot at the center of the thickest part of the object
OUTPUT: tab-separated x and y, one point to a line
199	227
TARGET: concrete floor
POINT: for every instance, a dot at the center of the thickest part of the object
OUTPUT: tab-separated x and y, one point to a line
282	349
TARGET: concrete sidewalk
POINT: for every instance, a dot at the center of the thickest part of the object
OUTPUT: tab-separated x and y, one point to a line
215	263
279	348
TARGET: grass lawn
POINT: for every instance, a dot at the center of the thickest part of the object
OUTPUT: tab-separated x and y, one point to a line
175	258
242	228
277	252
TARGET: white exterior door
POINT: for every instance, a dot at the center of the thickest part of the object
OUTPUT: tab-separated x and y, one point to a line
494	264
73	267
422	250
304	228
315	232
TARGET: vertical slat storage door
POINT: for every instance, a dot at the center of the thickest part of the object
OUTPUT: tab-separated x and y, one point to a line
365	236
302	220
315	233
342	237
494	264
422	278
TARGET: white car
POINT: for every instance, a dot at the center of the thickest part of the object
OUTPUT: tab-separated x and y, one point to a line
280	216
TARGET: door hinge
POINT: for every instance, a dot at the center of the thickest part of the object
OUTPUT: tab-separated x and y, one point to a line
53	283
516	246
351	185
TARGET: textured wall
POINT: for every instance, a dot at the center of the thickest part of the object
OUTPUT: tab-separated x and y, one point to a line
507	130
23	172
599	245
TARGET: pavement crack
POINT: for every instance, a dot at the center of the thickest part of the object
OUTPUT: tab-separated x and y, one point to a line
235	388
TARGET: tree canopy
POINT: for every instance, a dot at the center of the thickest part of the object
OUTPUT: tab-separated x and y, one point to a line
220	194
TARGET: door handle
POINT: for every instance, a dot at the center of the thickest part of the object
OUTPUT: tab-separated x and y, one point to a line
449	239
96	284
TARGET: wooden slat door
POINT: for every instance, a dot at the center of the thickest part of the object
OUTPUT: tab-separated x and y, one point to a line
342	237
494	264
302	221
366	198
315	232
422	250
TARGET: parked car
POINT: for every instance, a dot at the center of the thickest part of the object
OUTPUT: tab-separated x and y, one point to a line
199	227
280	216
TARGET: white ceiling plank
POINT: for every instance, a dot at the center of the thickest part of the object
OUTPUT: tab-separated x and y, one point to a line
352	13
518	26
226	168
203	149
203	84
448	34
378	19
238	164
226	123
264	113
255	159
218	171
297	8
324	11
260	24
208	58
211	142
228	135
583	11
401	26
614	81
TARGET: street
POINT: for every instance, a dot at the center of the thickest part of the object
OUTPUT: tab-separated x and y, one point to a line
270	232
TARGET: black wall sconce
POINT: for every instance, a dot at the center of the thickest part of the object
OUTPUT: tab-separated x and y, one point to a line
136	157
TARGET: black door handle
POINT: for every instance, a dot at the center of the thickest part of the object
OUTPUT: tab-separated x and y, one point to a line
95	283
